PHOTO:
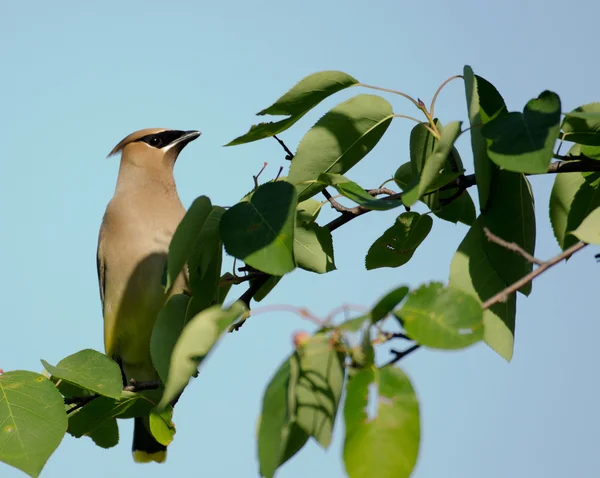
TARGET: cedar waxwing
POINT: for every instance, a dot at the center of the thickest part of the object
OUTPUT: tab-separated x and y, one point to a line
133	242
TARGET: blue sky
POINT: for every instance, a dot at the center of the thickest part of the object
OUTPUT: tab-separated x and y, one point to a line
78	77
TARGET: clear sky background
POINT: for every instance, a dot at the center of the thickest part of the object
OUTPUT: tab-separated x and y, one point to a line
76	77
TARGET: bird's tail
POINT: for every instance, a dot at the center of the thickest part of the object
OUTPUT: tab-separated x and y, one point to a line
145	447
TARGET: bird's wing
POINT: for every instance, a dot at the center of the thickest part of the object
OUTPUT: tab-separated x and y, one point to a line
101	271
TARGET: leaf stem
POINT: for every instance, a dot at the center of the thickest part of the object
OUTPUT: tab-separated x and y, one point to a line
431	109
395	92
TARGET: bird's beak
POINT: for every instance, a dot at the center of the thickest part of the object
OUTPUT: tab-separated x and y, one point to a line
188	137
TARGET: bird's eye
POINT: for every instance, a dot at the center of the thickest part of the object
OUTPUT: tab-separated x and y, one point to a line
155	141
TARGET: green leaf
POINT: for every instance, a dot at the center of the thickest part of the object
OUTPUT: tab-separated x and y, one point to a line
261	231
298	101
354	324
484	103
388	445
90	370
461	209
573	197
185	237
354	192
94	415
278	438
589	230
170	322
319	387
511	216
443	318
206	289
524	142
582	125
162	426
32	420
430	158
195	342
301	400
338	141
106	435
313	248
266	288
472	272
398	244
308	211
207	243
388	303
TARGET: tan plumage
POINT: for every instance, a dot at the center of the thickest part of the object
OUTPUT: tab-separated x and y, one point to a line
134	237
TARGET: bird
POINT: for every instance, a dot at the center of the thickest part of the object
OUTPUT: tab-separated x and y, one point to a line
133	242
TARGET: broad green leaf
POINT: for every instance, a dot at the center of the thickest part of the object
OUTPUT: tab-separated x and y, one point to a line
170	322
388	303
573	197
261	231
308	211
524	142
582	125
388	445
278	437
442	318
298	101
90	370
354	192
206	289
94	415
195	342
510	215
431	156
338	141
422	145
354	324
313	248
208	242
32	420
589	230
461	209
472	272
162	426
107	434
267	288
398	244
319	387
185	238
484	103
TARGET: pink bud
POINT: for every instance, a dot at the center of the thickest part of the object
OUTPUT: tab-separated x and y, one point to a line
300	339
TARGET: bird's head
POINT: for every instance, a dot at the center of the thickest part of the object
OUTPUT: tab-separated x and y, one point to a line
153	147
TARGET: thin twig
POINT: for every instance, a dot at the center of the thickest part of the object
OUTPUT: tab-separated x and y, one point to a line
511	246
579	165
380	191
503	295
289	154
400	354
336	205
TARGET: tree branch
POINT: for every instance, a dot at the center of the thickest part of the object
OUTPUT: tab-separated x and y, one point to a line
134	386
511	246
503	295
289	155
462	182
